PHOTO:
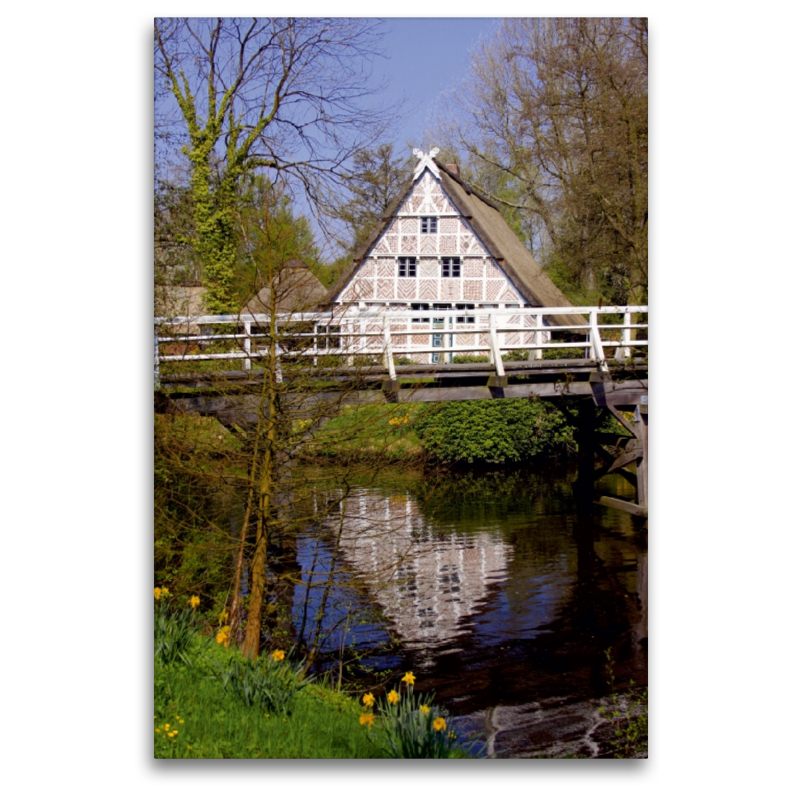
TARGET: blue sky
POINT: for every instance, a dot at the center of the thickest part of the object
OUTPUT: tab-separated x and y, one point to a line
426	56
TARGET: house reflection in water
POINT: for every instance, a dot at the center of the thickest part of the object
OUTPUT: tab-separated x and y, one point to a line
428	582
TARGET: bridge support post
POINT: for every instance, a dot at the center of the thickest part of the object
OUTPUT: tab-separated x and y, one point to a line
584	485
640	417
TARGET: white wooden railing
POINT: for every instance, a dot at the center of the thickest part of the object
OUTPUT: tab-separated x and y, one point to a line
375	332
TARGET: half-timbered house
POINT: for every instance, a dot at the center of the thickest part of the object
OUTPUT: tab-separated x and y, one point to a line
442	246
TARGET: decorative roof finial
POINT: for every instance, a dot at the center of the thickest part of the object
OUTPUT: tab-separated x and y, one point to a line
426	160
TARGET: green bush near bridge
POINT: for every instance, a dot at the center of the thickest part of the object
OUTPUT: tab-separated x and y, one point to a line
494	431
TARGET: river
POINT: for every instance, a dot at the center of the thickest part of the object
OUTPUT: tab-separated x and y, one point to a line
491	589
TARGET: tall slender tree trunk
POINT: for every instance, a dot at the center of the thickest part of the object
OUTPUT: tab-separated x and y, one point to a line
266	486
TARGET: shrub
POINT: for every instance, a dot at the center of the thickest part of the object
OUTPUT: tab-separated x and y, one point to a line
493	431
269	683
409	725
516	355
174	632
462	359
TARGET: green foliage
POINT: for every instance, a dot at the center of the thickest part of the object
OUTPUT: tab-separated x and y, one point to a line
516	355
270	233
410	726
195	466
465	359
628	715
492	431
359	432
268	683
194	717
174	633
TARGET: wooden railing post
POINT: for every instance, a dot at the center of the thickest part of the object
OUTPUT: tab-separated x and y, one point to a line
247	344
388	356
596	342
156	373
496	357
536	353
624	352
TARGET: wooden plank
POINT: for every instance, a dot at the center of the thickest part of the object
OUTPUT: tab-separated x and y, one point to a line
625	459
612	439
623	421
622	505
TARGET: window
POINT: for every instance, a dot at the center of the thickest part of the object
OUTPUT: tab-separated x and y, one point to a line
428	225
407	267
420	307
464	307
451	267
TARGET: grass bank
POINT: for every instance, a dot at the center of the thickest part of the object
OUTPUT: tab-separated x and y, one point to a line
211	723
211	702
360	432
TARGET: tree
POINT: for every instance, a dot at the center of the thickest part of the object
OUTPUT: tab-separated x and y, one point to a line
266	219
373	183
288	404
281	96
558	107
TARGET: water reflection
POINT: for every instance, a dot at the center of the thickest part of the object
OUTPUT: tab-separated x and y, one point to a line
428	581
498	591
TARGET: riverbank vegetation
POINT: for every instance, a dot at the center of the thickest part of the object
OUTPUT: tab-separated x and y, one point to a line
211	702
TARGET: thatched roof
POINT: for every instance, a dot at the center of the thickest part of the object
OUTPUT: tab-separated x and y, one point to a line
501	242
297	289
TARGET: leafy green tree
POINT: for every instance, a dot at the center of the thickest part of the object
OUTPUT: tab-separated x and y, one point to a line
269	229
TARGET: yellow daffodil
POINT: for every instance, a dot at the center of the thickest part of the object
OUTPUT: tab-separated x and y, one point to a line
278	655
439	724
166	727
157	593
366	719
409	678
223	617
194	601
393	697
425	709
224	634
368	700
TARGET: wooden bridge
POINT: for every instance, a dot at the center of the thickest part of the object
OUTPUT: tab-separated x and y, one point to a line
214	365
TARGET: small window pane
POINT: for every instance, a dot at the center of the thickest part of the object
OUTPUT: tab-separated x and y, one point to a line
407	267
451	267
428	225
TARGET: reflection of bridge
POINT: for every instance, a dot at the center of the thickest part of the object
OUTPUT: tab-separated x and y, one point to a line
357	349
